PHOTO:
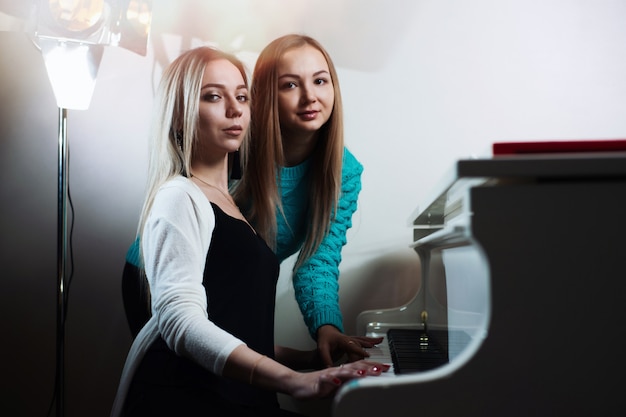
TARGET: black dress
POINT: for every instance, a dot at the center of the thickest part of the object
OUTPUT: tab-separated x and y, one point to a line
240	282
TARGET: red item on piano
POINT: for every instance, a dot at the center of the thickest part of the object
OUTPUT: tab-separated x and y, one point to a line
516	148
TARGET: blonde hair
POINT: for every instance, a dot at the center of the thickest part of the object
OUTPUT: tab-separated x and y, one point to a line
175	121
258	191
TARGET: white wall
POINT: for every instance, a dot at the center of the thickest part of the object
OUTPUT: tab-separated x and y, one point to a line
425	82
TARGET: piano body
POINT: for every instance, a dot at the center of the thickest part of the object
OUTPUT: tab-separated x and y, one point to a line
526	255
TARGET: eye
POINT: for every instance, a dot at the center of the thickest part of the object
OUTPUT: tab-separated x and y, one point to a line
243	98
321	81
289	85
211	97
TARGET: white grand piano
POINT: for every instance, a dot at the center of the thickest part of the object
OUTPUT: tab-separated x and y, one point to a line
523	299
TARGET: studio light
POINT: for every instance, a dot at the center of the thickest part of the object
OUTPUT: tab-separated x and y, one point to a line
71	35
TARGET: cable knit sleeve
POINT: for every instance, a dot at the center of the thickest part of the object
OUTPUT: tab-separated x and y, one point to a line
175	242
316	282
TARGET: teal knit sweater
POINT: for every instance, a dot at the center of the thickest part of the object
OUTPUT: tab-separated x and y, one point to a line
316	282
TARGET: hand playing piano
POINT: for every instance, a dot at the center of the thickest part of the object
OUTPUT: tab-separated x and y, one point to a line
333	345
325	383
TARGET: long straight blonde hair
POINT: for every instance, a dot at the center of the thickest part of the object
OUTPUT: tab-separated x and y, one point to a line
175	120
257	192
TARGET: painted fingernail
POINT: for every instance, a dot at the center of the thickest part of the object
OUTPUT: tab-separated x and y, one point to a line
375	369
360	372
336	381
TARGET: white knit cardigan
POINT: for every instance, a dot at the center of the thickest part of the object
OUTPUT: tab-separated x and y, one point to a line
175	243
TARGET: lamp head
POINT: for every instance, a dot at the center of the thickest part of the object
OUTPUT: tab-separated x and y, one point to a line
124	23
72	34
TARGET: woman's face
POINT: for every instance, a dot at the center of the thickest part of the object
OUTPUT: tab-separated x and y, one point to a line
224	108
305	91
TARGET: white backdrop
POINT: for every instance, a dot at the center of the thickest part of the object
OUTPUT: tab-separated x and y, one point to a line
425	82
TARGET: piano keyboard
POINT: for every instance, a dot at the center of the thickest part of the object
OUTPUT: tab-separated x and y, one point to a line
411	350
415	350
381	353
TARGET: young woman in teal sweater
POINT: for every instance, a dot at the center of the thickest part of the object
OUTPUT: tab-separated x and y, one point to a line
300	184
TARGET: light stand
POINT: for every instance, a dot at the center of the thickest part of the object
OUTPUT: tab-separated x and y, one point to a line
71	37
61	262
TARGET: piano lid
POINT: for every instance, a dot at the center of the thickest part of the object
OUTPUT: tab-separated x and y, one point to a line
444	204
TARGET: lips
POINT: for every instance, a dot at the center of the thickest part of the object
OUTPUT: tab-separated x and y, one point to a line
308	115
234	130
